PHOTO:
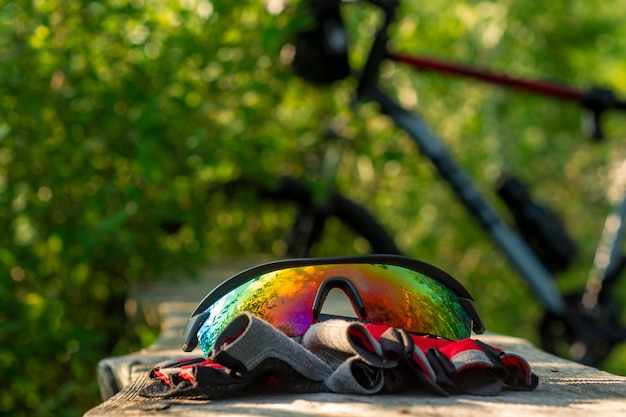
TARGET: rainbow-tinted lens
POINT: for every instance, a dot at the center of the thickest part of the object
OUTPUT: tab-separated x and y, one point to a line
282	298
393	295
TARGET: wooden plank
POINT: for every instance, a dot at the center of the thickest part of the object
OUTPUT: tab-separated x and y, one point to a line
565	387
166	302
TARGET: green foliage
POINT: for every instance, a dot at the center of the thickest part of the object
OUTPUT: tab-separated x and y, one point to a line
116	117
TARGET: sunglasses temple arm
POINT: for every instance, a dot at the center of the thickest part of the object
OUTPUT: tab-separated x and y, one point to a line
478	325
190	336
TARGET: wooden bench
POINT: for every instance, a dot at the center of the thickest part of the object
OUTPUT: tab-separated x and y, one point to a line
565	388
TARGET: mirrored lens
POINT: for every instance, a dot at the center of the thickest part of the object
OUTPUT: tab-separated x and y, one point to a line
283	298
394	296
399	297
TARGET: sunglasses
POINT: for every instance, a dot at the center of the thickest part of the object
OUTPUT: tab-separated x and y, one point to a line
388	290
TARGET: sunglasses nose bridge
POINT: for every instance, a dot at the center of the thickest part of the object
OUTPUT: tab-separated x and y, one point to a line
347	287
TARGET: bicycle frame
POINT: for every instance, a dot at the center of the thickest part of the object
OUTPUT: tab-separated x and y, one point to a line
507	240
596	101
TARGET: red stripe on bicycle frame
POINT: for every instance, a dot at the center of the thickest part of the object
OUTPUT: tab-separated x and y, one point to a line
540	87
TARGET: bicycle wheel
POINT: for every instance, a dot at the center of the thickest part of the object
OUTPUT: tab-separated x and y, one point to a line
583	337
311	218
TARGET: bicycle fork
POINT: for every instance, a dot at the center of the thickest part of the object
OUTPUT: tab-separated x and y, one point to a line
608	261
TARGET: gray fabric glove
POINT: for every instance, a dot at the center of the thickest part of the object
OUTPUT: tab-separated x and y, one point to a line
249	345
337	340
361	364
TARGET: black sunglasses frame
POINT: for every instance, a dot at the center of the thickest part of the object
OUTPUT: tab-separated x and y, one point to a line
200	314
